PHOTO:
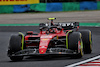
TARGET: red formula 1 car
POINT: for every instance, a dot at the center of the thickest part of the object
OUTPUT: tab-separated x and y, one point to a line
53	39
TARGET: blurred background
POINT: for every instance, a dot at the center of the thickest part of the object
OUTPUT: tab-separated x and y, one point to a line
65	0
24	6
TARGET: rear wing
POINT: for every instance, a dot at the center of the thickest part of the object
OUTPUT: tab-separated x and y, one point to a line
70	25
64	25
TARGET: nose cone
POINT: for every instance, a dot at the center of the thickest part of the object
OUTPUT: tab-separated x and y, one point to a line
42	51
44	42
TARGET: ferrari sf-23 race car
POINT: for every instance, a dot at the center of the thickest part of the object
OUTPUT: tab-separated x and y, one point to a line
53	39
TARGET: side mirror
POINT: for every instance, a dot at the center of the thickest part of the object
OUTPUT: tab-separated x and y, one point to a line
29	32
41	28
59	28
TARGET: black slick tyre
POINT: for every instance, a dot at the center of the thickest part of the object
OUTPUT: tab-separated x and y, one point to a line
75	43
87	41
15	46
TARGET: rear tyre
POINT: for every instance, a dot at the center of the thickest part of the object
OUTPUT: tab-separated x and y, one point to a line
87	41
14	46
75	43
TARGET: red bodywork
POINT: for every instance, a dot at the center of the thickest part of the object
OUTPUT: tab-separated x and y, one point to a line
44	39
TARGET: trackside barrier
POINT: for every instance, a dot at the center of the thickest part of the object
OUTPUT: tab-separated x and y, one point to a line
88	5
18	2
21	8
6	9
71	6
53	7
98	5
38	7
50	7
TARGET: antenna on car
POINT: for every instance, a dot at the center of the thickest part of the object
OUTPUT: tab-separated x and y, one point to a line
51	21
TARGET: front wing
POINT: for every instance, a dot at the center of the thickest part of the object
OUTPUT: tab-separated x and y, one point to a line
50	51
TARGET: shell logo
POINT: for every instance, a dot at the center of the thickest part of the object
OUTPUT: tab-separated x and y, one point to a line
42	51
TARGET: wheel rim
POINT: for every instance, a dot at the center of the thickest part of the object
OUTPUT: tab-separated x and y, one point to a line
80	46
80	49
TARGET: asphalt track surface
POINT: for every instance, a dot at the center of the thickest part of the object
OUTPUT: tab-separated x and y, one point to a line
55	61
78	16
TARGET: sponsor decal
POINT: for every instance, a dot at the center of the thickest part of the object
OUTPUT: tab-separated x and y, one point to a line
66	24
13	0
45	39
46	36
17	2
43	47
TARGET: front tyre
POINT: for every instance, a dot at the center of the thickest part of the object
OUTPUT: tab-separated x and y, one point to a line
75	43
15	46
87	41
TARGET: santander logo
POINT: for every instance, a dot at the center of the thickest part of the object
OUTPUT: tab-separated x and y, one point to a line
46	36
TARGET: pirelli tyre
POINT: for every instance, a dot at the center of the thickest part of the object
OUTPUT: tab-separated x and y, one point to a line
87	41
15	46
75	43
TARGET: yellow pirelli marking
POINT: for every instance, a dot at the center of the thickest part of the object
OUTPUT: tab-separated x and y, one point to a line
67	38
